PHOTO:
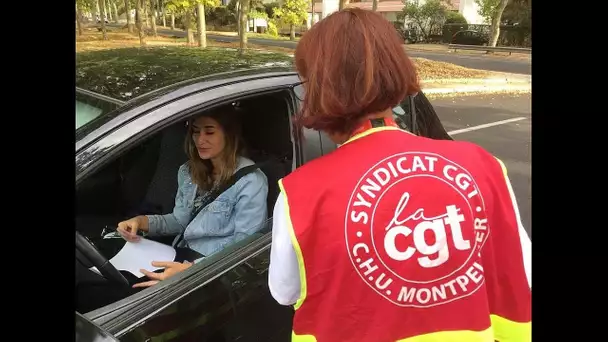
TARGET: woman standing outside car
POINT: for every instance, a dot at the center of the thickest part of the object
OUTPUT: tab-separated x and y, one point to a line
392	236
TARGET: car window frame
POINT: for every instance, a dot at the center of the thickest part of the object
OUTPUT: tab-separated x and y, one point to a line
108	104
154	122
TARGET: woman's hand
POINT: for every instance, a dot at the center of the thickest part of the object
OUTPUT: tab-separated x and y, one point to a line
128	229
171	268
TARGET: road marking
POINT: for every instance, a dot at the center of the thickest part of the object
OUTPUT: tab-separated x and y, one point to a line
491	124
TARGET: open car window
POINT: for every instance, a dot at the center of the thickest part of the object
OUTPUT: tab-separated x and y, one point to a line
123	315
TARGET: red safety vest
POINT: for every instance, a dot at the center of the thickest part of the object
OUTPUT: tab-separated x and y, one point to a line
404	238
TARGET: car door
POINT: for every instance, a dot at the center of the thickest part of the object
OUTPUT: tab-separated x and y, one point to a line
87	331
213	300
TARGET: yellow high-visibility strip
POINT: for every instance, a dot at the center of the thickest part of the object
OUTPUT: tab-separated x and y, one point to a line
502	330
509	331
373	130
297	248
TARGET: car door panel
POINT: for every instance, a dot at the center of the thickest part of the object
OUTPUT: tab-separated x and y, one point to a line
238	280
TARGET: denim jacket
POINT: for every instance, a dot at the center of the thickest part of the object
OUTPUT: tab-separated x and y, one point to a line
235	214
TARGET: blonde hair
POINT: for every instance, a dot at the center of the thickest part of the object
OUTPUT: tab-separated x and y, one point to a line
201	171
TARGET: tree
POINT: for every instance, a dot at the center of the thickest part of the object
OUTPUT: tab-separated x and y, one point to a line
128	15
153	19
342	4
202	34
187	7
429	17
139	22
102	6
115	11
292	12
164	13
374	5
81	5
491	11
243	25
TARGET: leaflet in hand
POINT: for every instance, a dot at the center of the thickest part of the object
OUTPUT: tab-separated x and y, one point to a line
137	255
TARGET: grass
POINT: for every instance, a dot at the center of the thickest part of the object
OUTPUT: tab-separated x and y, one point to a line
129	72
119	68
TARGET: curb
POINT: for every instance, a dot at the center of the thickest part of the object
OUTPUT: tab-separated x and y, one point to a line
494	79
497	82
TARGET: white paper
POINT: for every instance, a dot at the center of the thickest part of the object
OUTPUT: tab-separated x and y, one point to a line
137	255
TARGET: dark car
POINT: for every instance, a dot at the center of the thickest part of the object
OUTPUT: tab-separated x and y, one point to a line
127	157
470	37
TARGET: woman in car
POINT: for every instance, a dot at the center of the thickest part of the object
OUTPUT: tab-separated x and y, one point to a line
214	147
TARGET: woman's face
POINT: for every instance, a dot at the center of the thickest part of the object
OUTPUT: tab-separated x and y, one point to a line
208	137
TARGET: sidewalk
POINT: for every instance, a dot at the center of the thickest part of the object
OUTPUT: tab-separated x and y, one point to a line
443	48
497	82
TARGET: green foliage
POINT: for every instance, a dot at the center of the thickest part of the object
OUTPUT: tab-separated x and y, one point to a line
455	18
255	14
429	17
292	12
487	8
127	73
182	5
272	28
269	8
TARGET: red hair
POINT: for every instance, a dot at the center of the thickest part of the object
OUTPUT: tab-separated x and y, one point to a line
353	64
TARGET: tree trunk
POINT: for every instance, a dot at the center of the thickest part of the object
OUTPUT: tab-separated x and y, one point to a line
374	5
243	25
109	10
128	14
312	17
102	6
115	11
164	16
189	33
341	4
292	32
202	29
145	16
79	20
495	27
172	20
238	17
139	22
94	13
153	19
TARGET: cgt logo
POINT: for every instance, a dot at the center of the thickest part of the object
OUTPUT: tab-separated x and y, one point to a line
435	225
414	227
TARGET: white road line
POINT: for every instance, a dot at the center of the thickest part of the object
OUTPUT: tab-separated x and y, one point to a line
474	128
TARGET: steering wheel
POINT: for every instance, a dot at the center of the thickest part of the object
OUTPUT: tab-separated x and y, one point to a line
92	254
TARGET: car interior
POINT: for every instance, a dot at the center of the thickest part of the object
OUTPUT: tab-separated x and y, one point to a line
143	180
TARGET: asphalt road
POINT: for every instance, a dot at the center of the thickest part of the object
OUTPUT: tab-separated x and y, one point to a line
509	141
474	62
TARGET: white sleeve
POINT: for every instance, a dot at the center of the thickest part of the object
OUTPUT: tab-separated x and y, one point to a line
284	272
524	239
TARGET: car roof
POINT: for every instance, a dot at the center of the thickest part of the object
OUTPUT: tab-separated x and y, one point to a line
142	103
